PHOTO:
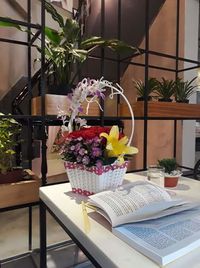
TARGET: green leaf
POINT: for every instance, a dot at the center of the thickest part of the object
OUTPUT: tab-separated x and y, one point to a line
114	44
80	54
71	31
92	41
10	152
11	24
52	35
55	15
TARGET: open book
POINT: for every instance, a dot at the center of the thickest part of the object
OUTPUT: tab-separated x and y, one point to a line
150	219
137	201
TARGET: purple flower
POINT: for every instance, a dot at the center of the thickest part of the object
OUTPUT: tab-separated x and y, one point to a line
99	163
100	94
79	159
85	160
77	147
80	109
70	96
82	151
96	151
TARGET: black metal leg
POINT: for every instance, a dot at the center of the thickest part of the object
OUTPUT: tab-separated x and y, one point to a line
30	228
43	240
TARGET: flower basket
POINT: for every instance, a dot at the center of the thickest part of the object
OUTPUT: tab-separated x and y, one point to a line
94	156
89	180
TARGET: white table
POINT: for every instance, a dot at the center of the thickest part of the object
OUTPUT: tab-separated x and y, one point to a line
99	244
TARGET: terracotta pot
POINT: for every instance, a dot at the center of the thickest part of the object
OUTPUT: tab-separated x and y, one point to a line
12	176
171	181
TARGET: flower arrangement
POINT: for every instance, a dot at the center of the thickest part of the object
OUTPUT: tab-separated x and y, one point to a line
93	150
96	146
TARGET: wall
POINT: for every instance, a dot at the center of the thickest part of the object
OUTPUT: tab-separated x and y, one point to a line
191	52
11	67
13	58
162	39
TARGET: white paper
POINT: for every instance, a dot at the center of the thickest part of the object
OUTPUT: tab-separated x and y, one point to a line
135	202
164	239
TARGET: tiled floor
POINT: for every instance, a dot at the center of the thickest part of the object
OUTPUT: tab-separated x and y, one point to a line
14	232
14	241
58	257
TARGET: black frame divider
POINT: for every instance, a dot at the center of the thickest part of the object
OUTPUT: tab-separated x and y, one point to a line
28	119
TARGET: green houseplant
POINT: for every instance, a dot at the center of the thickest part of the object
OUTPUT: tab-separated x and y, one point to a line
140	87
184	89
172	174
165	89
9	128
65	50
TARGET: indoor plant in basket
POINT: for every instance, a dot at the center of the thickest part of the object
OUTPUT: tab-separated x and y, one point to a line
95	157
9	129
172	174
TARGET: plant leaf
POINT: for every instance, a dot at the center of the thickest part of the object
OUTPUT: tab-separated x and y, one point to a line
52	35
55	15
71	31
11	24
114	44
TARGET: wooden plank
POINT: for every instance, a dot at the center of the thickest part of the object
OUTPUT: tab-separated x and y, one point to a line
22	192
163	109
54	101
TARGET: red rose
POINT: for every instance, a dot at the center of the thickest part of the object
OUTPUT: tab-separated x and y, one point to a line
87	132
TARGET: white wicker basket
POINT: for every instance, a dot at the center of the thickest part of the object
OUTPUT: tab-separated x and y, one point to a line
92	180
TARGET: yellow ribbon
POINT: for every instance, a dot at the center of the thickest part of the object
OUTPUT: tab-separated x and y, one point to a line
86	221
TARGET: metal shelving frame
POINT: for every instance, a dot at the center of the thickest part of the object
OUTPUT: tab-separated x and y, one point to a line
147	52
28	119
45	120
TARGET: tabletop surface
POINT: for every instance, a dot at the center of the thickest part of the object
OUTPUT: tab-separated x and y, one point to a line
108	250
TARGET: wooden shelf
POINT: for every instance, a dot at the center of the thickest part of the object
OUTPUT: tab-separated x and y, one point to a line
53	101
19	193
163	109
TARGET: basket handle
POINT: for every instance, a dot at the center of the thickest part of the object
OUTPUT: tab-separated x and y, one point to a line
119	91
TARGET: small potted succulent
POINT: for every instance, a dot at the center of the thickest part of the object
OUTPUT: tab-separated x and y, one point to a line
183	90
165	89
172	174
140	87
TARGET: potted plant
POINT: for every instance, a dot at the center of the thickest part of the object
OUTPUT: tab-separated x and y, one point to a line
65	50
141	89
165	89
9	128
172	174
183	90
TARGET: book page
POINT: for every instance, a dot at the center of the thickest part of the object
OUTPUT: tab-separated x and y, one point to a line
164	239
134	201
